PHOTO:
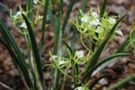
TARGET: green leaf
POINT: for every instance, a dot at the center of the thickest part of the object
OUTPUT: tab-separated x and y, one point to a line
69	48
29	8
52	20
123	45
72	2
61	5
34	48
84	3
99	50
132	38
57	36
57	42
8	41
44	22
122	82
102	11
106	60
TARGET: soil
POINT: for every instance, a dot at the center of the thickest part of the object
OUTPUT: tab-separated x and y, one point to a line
10	76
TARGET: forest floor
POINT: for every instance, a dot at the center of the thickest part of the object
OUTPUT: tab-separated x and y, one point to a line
122	68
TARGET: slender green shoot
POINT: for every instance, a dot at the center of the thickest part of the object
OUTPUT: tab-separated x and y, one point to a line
44	22
34	48
84	3
103	8
29	8
57	39
122	82
72	2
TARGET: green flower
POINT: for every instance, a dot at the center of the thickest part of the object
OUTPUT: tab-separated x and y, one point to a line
91	26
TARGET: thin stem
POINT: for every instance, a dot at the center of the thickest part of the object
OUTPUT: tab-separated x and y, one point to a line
75	75
5	86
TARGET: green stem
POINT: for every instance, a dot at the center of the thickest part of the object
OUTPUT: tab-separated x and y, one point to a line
44	23
57	39
75	75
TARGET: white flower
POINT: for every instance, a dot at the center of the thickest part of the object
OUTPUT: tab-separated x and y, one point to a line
23	25
35	1
119	32
17	14
103	81
84	18
94	22
112	20
79	54
62	62
40	17
94	14
54	57
79	88
98	29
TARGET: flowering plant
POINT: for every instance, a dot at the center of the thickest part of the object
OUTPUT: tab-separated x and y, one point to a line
76	65
91	24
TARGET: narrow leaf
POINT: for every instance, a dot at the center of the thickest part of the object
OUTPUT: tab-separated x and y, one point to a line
8	41
102	11
29	8
122	82
69	48
44	22
52	20
84	3
57	41
72	2
124	44
106	60
34	48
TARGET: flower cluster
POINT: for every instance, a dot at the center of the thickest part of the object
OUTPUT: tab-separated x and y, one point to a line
80	58
17	19
60	61
91	25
